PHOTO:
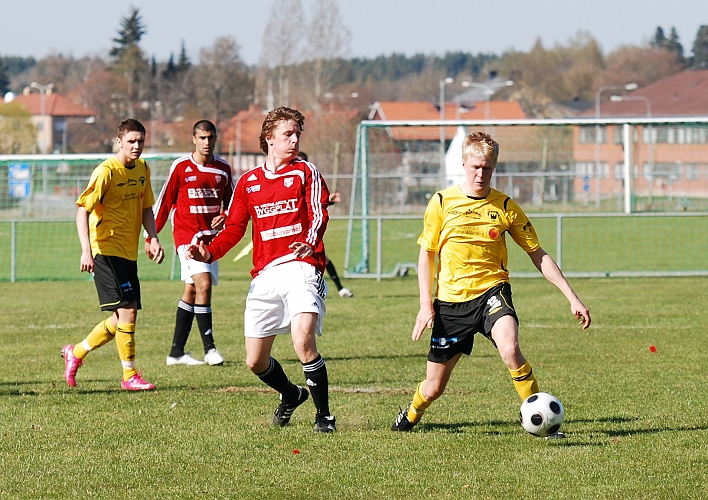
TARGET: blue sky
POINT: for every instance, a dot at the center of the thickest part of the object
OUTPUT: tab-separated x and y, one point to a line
84	27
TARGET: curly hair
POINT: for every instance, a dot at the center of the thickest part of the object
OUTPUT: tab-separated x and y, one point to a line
273	119
481	145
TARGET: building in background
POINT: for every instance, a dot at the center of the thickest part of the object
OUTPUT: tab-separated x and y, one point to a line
52	114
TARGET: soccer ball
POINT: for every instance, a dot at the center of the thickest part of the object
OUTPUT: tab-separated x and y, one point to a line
541	414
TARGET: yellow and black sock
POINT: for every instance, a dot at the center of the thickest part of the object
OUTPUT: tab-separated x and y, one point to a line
525	381
101	334
418	405
125	341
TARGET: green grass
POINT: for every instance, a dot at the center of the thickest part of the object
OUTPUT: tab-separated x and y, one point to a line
636	421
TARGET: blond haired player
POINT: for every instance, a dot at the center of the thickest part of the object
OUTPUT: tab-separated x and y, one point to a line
116	202
466	226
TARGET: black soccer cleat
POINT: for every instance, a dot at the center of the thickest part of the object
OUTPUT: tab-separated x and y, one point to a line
325	423
285	410
402	424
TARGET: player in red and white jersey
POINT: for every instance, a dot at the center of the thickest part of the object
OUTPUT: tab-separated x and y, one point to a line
197	190
286	200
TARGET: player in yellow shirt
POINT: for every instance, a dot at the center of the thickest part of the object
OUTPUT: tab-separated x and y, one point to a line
116	202
466	226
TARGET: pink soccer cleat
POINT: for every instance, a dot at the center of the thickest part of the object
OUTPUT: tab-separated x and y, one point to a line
136	383
71	364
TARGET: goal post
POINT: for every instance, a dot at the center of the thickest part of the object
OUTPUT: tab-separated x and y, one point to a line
641	180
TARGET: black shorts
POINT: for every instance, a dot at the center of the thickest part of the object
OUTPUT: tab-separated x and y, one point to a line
456	323
116	281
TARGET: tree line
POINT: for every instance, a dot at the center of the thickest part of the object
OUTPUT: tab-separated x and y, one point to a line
313	71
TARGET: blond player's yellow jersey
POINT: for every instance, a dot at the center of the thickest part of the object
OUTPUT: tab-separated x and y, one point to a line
469	236
115	199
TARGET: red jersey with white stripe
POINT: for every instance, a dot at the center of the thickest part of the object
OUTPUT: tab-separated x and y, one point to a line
285	207
197	194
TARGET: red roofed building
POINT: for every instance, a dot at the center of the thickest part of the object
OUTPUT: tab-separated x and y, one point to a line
52	113
667	160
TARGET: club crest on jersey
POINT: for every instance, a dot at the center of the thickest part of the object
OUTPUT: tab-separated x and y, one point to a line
288	181
253	189
217	177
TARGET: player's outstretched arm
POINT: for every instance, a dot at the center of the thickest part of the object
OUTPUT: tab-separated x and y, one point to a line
82	227
550	270
426	266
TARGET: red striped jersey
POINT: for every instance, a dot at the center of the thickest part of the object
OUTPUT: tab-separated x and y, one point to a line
285	207
194	194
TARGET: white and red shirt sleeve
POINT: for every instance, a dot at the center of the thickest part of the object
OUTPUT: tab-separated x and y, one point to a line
285	207
194	194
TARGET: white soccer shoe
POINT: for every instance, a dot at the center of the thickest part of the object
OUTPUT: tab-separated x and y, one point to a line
185	359
213	357
345	293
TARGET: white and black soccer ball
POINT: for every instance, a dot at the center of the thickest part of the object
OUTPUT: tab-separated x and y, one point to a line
541	414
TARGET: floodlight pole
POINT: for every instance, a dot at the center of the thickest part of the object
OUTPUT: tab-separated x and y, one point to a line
443	82
43	89
598	136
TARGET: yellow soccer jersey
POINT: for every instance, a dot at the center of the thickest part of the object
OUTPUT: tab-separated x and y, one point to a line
115	198
469	237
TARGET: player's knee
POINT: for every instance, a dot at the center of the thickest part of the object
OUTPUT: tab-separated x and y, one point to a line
257	365
432	390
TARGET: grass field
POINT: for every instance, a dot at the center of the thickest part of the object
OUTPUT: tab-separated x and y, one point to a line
637	421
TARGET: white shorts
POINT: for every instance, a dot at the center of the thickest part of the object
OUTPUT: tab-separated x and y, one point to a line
279	293
190	267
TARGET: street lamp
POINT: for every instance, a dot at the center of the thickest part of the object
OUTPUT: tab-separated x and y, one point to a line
650	155
489	89
65	132
43	89
598	138
443	83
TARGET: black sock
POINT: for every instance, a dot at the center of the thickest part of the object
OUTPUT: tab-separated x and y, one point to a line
183	324
203	314
316	377
333	275
275	377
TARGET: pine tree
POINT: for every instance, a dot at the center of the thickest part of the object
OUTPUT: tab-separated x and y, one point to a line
130	34
700	49
659	40
183	63
4	79
170	70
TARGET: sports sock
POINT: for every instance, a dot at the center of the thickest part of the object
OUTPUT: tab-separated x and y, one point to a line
332	271
275	377
203	314
316	378
525	381
101	334
183	325
418	406
125	341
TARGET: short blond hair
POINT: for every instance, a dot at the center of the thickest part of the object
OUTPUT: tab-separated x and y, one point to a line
480	145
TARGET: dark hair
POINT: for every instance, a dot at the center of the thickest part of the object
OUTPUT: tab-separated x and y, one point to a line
204	125
273	118
130	125
302	155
